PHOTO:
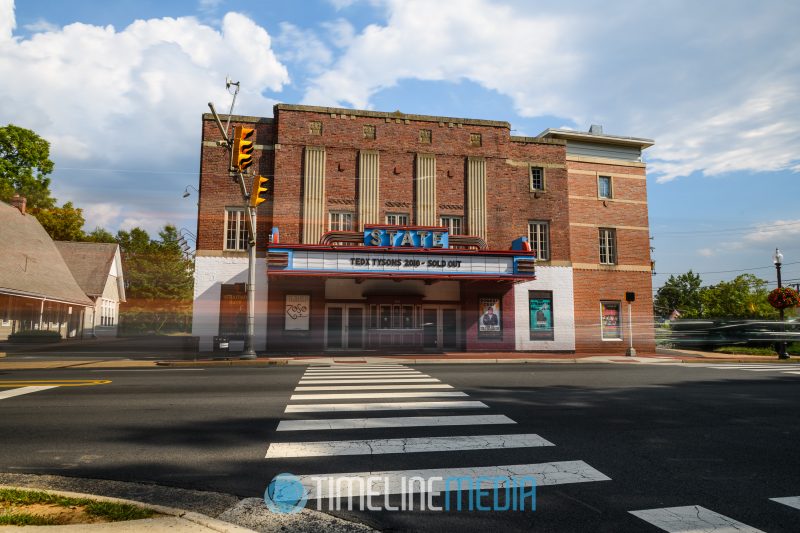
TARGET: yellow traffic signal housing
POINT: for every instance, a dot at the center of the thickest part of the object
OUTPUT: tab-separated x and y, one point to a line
243	144
259	187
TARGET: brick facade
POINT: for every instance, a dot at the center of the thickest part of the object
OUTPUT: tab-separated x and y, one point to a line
569	203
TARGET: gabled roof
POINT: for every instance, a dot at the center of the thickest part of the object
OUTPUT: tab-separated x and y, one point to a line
30	264
90	263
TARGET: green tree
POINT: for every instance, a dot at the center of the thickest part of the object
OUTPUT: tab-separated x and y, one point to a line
24	166
63	223
681	293
743	297
99	234
159	282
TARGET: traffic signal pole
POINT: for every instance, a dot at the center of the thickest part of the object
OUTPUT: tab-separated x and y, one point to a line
240	151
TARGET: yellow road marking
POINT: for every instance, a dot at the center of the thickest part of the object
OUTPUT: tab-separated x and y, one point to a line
55	383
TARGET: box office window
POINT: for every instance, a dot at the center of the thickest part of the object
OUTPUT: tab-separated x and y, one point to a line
540	308
610	321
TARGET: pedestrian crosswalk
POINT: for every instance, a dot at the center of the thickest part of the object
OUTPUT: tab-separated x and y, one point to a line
758	367
327	391
697	519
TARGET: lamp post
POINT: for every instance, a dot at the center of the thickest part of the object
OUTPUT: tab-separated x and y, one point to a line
778	260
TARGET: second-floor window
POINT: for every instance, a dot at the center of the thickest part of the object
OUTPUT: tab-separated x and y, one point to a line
340	221
453	224
539	239
537	179
604	187
397	219
608	246
235	229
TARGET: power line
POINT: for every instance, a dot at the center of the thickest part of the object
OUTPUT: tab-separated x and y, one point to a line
725	230
725	271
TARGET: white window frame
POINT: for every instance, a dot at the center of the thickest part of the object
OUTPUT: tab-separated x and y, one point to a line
530	178
542	252
603	304
241	229
608	240
337	219
397	217
448	222
610	194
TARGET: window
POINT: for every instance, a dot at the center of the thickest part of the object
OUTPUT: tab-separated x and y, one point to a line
610	321
608	246
475	139
425	136
539	239
537	179
453	224
339	221
369	131
397	219
235	229
604	187
540	307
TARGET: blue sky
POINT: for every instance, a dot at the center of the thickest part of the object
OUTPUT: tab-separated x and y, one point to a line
118	89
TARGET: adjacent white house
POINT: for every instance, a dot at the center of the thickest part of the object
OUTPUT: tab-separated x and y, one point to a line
97	267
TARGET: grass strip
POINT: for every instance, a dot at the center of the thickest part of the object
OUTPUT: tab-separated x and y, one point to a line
112	511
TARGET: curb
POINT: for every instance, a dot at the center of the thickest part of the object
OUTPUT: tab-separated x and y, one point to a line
211	363
190	516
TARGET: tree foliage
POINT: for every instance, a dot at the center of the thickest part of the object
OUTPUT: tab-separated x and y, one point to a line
680	293
63	223
744	297
159	282
24	166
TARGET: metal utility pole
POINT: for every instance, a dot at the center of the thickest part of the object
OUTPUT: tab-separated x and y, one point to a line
240	149
778	260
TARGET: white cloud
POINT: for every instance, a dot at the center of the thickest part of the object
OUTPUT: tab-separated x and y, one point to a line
302	47
777	231
705	252
340	32
716	88
131	99
41	25
7	20
101	214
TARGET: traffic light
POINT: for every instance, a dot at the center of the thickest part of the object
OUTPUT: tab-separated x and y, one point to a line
242	155
259	187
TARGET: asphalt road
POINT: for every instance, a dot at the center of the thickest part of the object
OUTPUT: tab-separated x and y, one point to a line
666	436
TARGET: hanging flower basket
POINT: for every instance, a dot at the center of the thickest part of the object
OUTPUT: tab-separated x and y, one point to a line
783	298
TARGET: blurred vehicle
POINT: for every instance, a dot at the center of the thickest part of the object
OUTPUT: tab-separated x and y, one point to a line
713	333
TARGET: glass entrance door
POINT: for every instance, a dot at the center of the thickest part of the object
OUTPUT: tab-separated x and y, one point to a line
355	327
449	329
344	327
430	328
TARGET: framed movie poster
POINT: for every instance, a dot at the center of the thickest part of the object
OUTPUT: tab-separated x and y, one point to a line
540	305
297	312
489	317
610	322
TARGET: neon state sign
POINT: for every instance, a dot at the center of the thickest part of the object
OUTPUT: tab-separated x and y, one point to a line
406	236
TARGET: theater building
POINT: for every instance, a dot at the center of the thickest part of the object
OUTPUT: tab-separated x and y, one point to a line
395	232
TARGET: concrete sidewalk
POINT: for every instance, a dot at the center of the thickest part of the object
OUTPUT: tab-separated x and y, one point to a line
663	356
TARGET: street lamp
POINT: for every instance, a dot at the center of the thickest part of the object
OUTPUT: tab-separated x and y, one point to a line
777	258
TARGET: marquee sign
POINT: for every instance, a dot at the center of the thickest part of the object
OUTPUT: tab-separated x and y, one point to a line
425	264
406	236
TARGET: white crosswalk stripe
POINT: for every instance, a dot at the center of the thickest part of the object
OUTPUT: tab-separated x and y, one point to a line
692	519
557	473
376	395
791	501
410	445
756	367
392	422
332	387
10	393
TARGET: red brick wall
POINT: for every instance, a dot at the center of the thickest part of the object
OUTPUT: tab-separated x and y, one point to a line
470	314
